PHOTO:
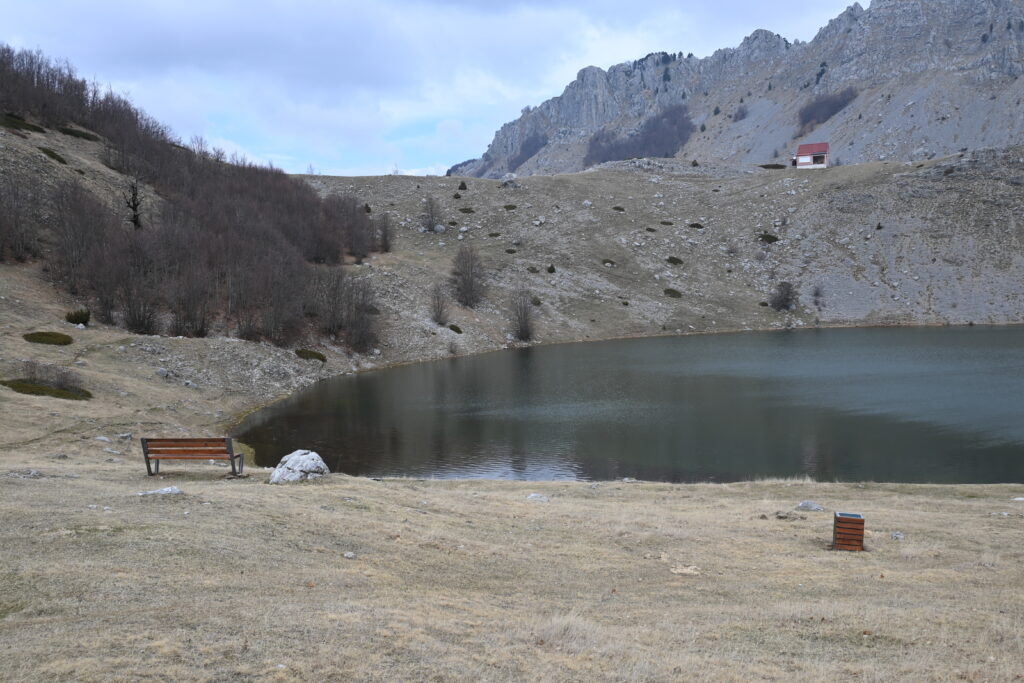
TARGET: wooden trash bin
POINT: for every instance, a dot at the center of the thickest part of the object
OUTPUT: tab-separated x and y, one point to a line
848	531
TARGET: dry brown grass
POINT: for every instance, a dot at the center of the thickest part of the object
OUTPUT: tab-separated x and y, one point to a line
470	581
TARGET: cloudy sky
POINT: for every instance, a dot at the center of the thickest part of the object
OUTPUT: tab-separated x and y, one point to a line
358	88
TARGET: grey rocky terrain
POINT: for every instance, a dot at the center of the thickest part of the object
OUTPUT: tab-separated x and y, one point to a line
930	77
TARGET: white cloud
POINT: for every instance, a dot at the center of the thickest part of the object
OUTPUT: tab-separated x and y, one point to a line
354	85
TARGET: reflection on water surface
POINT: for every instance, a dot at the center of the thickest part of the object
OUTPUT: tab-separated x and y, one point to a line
911	405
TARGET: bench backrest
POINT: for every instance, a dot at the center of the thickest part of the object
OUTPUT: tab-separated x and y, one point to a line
184	447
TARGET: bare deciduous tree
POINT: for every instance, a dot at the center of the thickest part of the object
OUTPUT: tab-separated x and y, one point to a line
468	277
17	232
133	197
521	311
384	233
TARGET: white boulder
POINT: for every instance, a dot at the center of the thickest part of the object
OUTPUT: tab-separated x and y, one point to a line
297	466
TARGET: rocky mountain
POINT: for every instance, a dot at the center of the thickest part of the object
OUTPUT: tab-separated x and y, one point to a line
903	80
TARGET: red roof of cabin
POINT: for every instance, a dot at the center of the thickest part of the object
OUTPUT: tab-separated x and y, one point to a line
812	149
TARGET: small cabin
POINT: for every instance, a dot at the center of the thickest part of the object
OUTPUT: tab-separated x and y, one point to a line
813	155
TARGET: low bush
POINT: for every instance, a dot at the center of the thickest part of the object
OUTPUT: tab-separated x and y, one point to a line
618	208
696	226
455	328
510	251
551	268
673	293
457	196
651	229
54	338
75	133
15	122
674	260
310	354
667	223
510	207
467	209
608	262
79	317
53	155
494	234
535	301
533	269
773	167
768	238
462	185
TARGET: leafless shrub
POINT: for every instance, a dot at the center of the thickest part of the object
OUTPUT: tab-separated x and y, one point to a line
784	297
521	310
432	215
468	277
56	376
439	304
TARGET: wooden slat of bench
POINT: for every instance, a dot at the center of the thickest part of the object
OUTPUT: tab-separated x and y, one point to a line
186	451
180	456
187	442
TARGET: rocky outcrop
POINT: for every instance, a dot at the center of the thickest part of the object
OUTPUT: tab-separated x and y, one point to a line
932	77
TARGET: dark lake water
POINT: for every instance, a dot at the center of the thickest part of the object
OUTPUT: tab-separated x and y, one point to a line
938	405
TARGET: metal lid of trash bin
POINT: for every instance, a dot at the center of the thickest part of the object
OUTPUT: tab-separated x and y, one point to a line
852	515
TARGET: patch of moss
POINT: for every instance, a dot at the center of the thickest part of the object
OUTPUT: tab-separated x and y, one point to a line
696	226
618	208
673	293
667	223
453	223
773	167
456	196
494	234
33	389
674	260
768	238
510	207
625	303
510	251
651	229
535	301
75	133
53	155
15	122
467	209
533	269
310	354
55	338
455	328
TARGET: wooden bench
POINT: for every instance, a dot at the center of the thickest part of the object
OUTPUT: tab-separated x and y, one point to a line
219	448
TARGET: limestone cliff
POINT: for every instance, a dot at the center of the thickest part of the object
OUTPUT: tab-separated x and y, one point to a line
930	77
